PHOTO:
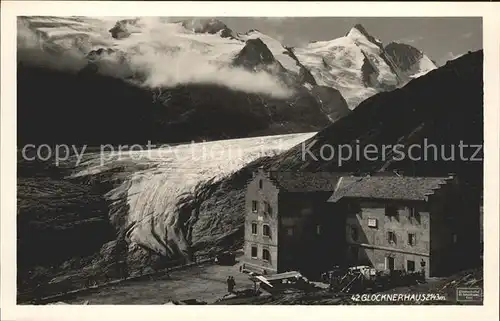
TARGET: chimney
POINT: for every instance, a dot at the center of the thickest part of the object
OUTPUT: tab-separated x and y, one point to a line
261	170
452	177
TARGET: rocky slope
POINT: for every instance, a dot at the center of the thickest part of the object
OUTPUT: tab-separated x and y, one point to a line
92	109
140	204
435	108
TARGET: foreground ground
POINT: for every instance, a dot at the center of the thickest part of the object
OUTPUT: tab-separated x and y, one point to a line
203	283
207	284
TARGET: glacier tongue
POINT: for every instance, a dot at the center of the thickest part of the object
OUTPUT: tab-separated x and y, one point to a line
152	194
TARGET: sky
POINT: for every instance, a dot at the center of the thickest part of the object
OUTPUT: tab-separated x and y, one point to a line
440	38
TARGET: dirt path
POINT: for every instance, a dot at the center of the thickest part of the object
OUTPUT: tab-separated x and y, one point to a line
205	283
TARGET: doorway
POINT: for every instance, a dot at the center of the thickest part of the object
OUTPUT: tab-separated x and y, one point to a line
389	263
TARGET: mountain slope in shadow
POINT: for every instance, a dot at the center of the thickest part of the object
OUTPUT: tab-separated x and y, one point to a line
56	107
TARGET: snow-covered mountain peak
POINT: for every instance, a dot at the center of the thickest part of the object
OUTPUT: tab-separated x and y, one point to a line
194	50
358	33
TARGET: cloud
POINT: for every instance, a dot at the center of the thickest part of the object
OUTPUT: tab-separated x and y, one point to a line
449	56
272	19
170	70
280	38
410	40
32	48
161	53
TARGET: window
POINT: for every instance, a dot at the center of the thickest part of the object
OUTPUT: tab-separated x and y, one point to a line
413	212
268	208
372	222
254	251
260	184
289	231
354	233
254	206
411	239
266	230
254	228
318	229
410	266
391	211
266	255
391	237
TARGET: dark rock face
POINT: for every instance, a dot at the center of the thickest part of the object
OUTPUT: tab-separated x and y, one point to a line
99	53
383	54
211	26
122	28
254	53
331	102
368	71
61	224
405	56
305	75
365	33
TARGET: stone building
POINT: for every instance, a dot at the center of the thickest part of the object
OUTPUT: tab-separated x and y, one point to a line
408	223
310	222
289	225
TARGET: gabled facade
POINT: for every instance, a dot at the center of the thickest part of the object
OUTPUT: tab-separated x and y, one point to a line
408	223
289	225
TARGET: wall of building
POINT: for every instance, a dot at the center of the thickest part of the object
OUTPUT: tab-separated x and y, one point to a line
455	220
312	237
372	241
267	193
376	257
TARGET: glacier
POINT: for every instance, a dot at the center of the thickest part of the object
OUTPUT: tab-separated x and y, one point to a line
159	177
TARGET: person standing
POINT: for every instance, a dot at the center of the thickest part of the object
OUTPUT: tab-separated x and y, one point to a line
230	284
233	283
422	270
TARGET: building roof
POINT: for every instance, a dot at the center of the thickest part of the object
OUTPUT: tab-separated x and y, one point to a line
305	181
387	187
282	276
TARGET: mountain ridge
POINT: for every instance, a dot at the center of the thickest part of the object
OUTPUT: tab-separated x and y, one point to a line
216	42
